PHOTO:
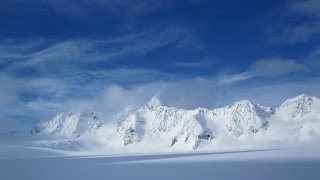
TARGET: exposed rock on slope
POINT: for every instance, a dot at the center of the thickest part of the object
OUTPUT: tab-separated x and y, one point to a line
299	108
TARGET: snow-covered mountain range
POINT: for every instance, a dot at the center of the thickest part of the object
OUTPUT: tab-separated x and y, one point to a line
154	124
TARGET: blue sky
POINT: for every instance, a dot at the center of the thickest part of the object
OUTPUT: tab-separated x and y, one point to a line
105	55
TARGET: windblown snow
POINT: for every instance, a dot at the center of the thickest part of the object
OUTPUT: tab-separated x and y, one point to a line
155	125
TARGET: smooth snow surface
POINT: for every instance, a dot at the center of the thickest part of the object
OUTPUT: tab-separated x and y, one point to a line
21	162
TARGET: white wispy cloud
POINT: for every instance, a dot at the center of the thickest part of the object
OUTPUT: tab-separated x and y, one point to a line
291	34
128	75
305	6
205	62
271	67
9	97
41	76
233	78
22	53
314	58
83	8
184	93
8	90
300	31
192	64
53	87
268	67
193	93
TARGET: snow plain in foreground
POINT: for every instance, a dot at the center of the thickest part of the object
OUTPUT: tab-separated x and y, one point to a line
20	161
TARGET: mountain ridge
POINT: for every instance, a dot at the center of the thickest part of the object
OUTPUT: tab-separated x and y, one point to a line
173	127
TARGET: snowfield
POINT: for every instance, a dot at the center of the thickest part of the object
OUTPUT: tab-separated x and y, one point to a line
240	141
22	162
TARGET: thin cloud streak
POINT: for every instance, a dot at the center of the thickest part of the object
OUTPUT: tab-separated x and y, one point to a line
304	31
83	8
201	63
229	79
91	50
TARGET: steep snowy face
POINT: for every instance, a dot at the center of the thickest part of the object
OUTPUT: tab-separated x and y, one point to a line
70	124
299	108
178	126
192	130
243	117
161	119
131	129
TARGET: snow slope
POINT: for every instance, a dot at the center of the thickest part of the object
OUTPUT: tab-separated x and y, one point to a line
155	125
71	124
297	119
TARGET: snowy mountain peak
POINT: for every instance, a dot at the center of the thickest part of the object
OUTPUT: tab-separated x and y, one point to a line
300	101
298	107
243	117
302	98
154	102
244	104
